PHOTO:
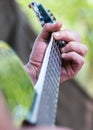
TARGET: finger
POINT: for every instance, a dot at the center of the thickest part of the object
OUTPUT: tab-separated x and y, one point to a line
76	59
67	35
76	47
50	128
48	29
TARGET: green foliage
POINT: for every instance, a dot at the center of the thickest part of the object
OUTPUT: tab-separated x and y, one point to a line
15	83
76	15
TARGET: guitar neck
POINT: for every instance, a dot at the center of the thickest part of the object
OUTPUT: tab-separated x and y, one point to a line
49	96
47	88
43	111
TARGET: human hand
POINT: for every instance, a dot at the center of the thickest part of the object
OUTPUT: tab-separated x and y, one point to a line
36	58
73	54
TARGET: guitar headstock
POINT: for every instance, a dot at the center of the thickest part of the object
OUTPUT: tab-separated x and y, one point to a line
45	16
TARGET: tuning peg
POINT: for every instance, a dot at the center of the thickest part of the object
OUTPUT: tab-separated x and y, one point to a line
30	6
51	14
48	10
54	18
41	19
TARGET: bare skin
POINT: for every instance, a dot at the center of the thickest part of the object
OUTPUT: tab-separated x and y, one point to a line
73	56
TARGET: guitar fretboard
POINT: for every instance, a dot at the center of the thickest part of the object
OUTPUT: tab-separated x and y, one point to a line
48	103
47	87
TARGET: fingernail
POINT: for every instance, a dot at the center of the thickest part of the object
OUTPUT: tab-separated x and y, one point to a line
63	55
56	35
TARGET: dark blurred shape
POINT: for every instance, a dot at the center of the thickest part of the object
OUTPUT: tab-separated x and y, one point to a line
15	29
75	107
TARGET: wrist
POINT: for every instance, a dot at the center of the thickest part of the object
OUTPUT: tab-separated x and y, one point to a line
31	72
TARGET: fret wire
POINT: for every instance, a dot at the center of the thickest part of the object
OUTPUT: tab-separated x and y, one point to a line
50	88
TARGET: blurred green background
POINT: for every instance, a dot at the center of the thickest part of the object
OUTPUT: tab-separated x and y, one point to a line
75	15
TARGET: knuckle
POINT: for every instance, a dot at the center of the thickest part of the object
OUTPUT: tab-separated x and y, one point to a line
73	46
82	61
84	50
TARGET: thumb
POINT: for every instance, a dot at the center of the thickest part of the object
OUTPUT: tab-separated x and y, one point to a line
48	29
